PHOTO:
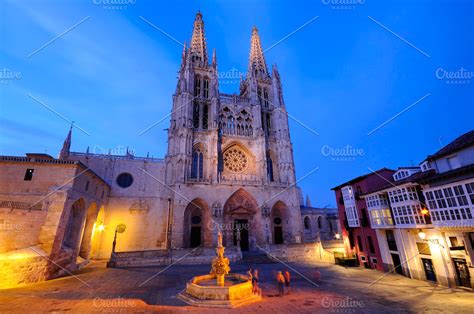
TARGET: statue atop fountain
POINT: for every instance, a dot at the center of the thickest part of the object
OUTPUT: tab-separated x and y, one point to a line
220	263
231	290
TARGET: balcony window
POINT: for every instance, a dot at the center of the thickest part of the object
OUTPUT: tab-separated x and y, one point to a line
470	191
450	203
352	217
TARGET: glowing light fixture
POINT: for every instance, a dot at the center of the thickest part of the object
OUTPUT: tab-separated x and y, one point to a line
338	236
422	235
424	211
101	227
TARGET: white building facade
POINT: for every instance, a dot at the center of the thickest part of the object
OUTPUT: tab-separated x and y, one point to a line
424	217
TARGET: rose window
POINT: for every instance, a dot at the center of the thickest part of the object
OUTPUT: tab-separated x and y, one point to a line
235	160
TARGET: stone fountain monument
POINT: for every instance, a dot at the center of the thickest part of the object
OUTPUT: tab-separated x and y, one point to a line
220	288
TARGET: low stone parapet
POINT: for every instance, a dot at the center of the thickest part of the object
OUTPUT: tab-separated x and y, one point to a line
305	252
164	257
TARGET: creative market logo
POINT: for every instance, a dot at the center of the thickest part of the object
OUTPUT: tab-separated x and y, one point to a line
346	153
114	4
7	75
457	77
343	4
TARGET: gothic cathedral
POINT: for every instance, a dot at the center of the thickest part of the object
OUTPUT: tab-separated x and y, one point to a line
229	164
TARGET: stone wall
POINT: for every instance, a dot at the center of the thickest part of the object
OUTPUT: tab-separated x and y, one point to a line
23	271
202	256
308	252
34	216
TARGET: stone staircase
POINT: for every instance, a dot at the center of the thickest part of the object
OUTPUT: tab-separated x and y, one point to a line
256	257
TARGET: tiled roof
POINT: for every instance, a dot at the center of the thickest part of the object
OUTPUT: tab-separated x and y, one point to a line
465	140
415	178
466	171
360	178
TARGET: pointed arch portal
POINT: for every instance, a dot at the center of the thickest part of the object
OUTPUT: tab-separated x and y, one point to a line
196	218
241	221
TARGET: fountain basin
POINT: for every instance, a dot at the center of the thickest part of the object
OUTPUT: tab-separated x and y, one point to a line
203	291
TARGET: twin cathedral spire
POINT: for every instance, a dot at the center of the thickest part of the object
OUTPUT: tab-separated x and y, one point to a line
198	55
209	129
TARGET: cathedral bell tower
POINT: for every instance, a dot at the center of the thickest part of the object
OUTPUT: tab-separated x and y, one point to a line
192	136
265	92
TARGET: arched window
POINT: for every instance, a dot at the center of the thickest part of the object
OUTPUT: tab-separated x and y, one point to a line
268	126
259	95
320	222
307	223
206	88
197	167
197	85
265	97
205	113
231	125
196	115
270	168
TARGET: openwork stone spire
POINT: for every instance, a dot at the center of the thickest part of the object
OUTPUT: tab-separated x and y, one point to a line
66	145
198	42
257	66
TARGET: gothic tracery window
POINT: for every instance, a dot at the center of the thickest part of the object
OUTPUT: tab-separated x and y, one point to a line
197	167
235	160
259	95
197	86
265	97
196	115
205	113
239	123
206	88
267	124
270	169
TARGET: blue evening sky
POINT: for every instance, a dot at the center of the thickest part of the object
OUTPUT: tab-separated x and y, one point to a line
344	74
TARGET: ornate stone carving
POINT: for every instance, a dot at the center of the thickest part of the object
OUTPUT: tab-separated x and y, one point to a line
139	206
240	204
216	210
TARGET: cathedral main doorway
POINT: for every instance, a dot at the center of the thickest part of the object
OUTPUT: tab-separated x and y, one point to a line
242	221
241	233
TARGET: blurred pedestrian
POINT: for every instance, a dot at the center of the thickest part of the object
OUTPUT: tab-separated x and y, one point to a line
281	283
317	275
249	273
255	288
287	281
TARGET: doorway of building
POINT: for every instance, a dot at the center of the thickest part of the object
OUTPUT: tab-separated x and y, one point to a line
195	236
429	270
277	230
464	279
397	264
242	225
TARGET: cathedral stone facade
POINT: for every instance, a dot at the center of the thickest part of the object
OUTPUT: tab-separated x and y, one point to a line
230	159
229	167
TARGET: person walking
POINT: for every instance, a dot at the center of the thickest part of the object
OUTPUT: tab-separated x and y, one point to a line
255	288
287	281
281	283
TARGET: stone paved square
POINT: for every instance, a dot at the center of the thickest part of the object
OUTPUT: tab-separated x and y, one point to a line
339	290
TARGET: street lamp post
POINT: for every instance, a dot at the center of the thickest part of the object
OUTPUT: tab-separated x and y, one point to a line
119	229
